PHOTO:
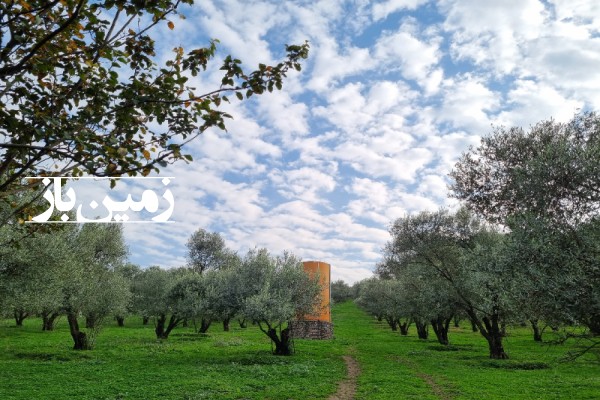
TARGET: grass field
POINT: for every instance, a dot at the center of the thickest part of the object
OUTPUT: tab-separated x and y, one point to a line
128	363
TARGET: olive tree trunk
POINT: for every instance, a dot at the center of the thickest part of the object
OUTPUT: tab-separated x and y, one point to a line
422	329
163	329
393	323
91	321
456	320
593	323
537	332
404	327
49	320
204	325
20	316
441	326
282	342
80	339
490	328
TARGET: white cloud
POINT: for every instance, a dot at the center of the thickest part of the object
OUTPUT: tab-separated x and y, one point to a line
332	64
448	147
401	166
490	33
382	9
468	103
304	183
240	26
549	104
415	58
579	14
567	65
433	187
285	115
346	108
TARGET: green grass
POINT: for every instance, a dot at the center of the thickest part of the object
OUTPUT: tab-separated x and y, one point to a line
128	363
395	367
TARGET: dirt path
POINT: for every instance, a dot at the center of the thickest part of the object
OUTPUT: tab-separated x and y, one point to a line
438	390
347	387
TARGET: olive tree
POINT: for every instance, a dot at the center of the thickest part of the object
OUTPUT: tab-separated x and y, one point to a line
561	274
431	301
207	250
276	289
128	273
91	286
550	171
65	271
226	294
153	296
385	299
31	272
469	257
544	185
340	291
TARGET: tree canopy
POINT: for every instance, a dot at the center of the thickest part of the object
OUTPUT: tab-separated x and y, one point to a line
207	250
83	91
551	171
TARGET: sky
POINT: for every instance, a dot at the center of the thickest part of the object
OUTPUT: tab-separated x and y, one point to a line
391	95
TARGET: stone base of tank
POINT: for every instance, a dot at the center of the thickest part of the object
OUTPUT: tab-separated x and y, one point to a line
311	329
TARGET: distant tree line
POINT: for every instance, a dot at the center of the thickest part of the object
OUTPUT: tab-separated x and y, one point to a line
81	272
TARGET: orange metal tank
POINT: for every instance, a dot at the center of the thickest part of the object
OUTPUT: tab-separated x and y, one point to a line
324	272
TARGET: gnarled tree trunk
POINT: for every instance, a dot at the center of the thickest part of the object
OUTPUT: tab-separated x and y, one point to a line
474	327
120	320
393	323
441	326
283	343
492	331
496	348
163	329
20	316
226	324
204	325
404	327
80	339
49	320
593	323
422	329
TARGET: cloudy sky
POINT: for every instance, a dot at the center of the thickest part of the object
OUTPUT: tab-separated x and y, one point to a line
392	93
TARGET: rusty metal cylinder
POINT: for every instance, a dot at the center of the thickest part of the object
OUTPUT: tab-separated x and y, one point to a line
323	270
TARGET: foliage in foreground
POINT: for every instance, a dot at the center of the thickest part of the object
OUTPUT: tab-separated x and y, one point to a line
85	91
